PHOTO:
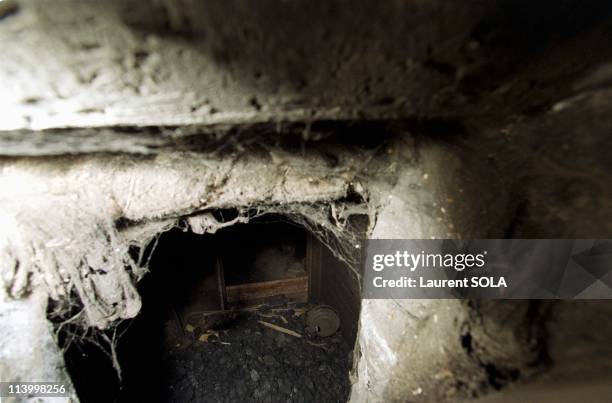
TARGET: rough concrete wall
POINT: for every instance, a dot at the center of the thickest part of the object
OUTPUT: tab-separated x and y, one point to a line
79	245
177	62
412	349
28	349
538	185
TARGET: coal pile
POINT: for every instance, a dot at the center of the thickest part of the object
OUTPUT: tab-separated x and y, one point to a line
235	357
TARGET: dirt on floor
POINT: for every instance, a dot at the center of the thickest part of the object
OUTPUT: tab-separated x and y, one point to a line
230	357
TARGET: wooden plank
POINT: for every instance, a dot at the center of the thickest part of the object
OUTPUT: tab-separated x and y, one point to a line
280	329
314	268
293	288
221	282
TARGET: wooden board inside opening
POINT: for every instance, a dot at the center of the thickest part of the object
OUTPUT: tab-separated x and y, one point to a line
295	289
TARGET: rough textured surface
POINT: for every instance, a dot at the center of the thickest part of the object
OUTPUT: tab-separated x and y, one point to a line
28	349
436	198
258	364
80	245
495	123
541	186
177	62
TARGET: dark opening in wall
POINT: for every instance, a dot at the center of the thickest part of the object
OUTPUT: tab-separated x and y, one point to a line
238	315
263	261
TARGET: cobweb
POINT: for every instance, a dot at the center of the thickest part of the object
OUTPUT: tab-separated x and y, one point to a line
90	267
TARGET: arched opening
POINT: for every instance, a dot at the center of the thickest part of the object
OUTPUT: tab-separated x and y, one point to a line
246	314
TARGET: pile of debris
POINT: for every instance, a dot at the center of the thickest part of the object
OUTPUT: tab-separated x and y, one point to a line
267	354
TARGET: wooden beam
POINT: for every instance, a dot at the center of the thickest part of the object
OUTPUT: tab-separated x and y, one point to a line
293	288
221	282
313	267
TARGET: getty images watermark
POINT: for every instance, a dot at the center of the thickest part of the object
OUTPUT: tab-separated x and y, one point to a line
488	269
